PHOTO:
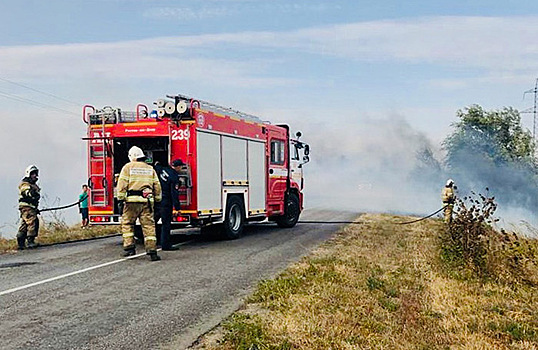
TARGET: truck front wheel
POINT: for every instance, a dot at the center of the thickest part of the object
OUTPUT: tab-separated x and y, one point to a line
292	210
234	220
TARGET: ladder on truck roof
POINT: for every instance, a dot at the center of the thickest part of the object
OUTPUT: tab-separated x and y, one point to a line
219	109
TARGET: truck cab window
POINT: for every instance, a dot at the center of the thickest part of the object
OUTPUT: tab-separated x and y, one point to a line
277	152
295	148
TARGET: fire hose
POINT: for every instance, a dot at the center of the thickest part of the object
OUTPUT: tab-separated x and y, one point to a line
300	221
422	218
358	222
64	206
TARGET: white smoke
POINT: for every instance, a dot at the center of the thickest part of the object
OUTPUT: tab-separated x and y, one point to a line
369	165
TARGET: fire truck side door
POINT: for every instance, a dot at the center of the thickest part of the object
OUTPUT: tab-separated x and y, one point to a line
277	168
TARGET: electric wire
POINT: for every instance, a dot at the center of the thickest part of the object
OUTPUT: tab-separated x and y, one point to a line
41	92
34	103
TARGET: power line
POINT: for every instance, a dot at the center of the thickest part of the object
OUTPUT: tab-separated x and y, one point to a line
528	110
41	92
34	103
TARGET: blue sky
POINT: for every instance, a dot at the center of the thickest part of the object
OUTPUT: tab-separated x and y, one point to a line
325	67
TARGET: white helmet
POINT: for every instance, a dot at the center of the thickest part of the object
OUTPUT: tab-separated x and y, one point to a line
30	169
449	182
135	153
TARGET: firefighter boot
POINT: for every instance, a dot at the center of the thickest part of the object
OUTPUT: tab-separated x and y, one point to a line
153	256
20	243
32	243
129	252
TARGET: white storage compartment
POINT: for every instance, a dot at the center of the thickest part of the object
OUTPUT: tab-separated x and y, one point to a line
209	171
234	159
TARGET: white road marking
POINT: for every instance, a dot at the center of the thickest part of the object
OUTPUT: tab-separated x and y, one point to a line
13	290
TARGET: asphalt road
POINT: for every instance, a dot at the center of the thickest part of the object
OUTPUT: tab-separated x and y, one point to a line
84	296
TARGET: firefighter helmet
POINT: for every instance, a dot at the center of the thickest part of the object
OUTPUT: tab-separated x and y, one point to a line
449	182
31	168
135	153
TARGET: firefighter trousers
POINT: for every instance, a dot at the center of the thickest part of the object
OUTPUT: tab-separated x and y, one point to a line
143	212
449	207
164	213
29	223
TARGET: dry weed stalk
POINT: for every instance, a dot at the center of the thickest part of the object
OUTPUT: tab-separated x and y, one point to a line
471	242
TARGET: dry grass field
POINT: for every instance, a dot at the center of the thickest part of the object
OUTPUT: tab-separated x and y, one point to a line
380	285
56	232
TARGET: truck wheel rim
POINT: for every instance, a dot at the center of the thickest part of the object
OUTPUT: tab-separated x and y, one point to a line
235	218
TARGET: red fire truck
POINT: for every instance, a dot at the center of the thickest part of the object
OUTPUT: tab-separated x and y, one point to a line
238	168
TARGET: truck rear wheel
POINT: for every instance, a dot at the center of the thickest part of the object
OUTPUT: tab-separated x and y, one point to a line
292	210
234	220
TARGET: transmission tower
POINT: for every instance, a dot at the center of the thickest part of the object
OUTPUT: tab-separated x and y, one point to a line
533	109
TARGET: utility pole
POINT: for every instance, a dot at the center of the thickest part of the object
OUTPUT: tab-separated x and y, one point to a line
533	110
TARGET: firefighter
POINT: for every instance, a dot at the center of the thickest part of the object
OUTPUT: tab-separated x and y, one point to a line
138	187
448	198
168	176
28	202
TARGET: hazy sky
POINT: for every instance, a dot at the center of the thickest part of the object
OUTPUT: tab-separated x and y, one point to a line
325	67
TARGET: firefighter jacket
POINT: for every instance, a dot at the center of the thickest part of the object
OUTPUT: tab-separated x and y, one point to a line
138	183
28	194
448	196
170	186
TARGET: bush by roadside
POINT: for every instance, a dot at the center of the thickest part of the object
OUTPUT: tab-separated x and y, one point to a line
471	247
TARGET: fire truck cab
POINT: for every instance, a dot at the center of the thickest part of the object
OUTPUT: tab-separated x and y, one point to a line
237	169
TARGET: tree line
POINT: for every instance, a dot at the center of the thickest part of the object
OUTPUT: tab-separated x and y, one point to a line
487	149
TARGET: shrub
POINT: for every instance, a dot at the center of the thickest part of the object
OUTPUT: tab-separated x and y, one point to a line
471	242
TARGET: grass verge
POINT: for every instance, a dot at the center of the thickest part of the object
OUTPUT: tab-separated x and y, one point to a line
54	233
379	285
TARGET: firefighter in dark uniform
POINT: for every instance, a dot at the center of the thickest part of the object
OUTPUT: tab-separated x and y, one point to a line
28	202
168	176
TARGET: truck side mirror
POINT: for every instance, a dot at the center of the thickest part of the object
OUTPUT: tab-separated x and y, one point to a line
306	150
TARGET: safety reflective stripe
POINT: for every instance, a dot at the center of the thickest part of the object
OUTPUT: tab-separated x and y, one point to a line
150	238
127	235
25	204
137	199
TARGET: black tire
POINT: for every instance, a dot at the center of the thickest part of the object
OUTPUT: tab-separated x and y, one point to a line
234	220
292	210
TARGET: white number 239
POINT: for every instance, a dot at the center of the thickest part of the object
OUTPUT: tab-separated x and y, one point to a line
180	134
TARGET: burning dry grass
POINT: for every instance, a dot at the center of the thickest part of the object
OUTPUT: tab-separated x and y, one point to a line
58	232
379	285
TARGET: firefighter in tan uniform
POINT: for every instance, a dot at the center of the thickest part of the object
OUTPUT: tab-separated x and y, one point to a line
28	201
139	187
448	197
